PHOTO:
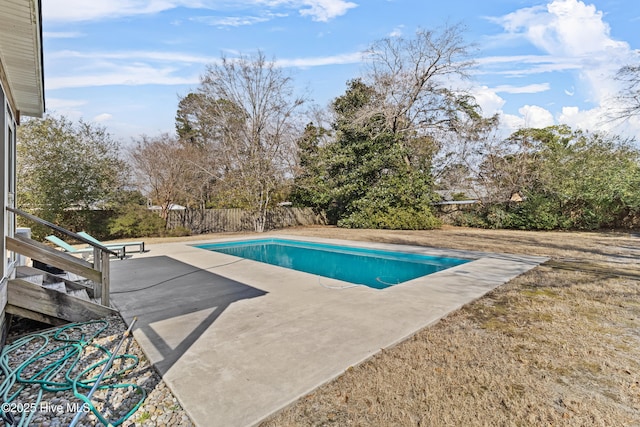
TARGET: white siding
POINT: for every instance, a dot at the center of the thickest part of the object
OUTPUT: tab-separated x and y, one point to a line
3	217
21	54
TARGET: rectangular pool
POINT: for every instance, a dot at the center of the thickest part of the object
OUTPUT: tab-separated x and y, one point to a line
377	269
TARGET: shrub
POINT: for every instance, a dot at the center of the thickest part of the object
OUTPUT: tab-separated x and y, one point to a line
393	218
137	221
538	212
498	216
177	232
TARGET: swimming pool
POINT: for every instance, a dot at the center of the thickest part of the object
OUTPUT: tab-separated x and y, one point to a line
374	268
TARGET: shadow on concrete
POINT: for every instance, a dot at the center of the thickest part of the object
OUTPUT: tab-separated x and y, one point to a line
160	288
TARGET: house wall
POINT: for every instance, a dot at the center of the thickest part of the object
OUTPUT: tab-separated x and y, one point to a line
7	165
3	219
21	91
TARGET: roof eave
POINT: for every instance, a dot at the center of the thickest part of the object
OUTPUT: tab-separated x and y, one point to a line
21	54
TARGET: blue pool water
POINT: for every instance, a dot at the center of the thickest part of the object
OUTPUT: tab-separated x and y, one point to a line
374	268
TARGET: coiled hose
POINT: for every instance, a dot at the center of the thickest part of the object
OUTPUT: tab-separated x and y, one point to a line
64	359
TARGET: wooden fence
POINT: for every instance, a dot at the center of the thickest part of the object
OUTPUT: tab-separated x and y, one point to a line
202	221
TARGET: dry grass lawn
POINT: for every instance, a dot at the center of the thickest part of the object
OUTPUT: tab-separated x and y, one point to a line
559	345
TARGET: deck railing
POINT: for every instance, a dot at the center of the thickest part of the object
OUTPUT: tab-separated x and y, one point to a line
96	270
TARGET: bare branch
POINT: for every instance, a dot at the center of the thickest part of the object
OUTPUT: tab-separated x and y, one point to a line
629	96
245	114
414	79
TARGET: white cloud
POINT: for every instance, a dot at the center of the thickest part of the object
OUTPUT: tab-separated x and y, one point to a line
563	28
595	119
236	21
132	55
511	123
132	75
525	65
536	117
531	88
136	68
325	10
346	58
70	108
490	102
528	59
74	69
63	104
230	21
576	36
83	10
531	116
572	36
176	58
584	119
100	118
397	32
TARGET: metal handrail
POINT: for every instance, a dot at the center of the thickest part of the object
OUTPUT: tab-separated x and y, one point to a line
60	230
100	258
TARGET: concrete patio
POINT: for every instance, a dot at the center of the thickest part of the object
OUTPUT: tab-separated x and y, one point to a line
237	340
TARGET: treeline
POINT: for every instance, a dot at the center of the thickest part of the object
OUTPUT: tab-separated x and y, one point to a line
558	178
374	158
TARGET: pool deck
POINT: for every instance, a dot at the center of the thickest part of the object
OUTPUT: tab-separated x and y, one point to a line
237	340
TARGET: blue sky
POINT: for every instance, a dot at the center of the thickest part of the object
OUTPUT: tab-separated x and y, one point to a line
125	63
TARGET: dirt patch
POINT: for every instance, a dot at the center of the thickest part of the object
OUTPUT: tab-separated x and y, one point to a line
559	345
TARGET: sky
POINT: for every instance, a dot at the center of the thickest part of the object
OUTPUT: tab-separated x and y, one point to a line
125	64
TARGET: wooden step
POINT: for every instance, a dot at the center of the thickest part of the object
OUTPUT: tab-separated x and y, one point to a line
80	293
71	281
56	286
38	279
35	302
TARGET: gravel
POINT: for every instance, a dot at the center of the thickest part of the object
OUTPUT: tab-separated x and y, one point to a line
58	408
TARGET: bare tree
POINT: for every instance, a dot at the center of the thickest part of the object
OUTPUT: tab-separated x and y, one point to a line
507	168
416	82
629	96
456	164
167	172
420	95
247	118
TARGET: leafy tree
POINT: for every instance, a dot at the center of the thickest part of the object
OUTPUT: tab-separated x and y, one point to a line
310	181
361	177
595	177
208	122
63	165
191	119
569	179
389	126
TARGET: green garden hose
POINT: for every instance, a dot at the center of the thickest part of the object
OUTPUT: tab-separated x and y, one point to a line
58	364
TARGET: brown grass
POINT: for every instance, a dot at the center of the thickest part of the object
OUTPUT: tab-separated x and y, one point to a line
559	345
